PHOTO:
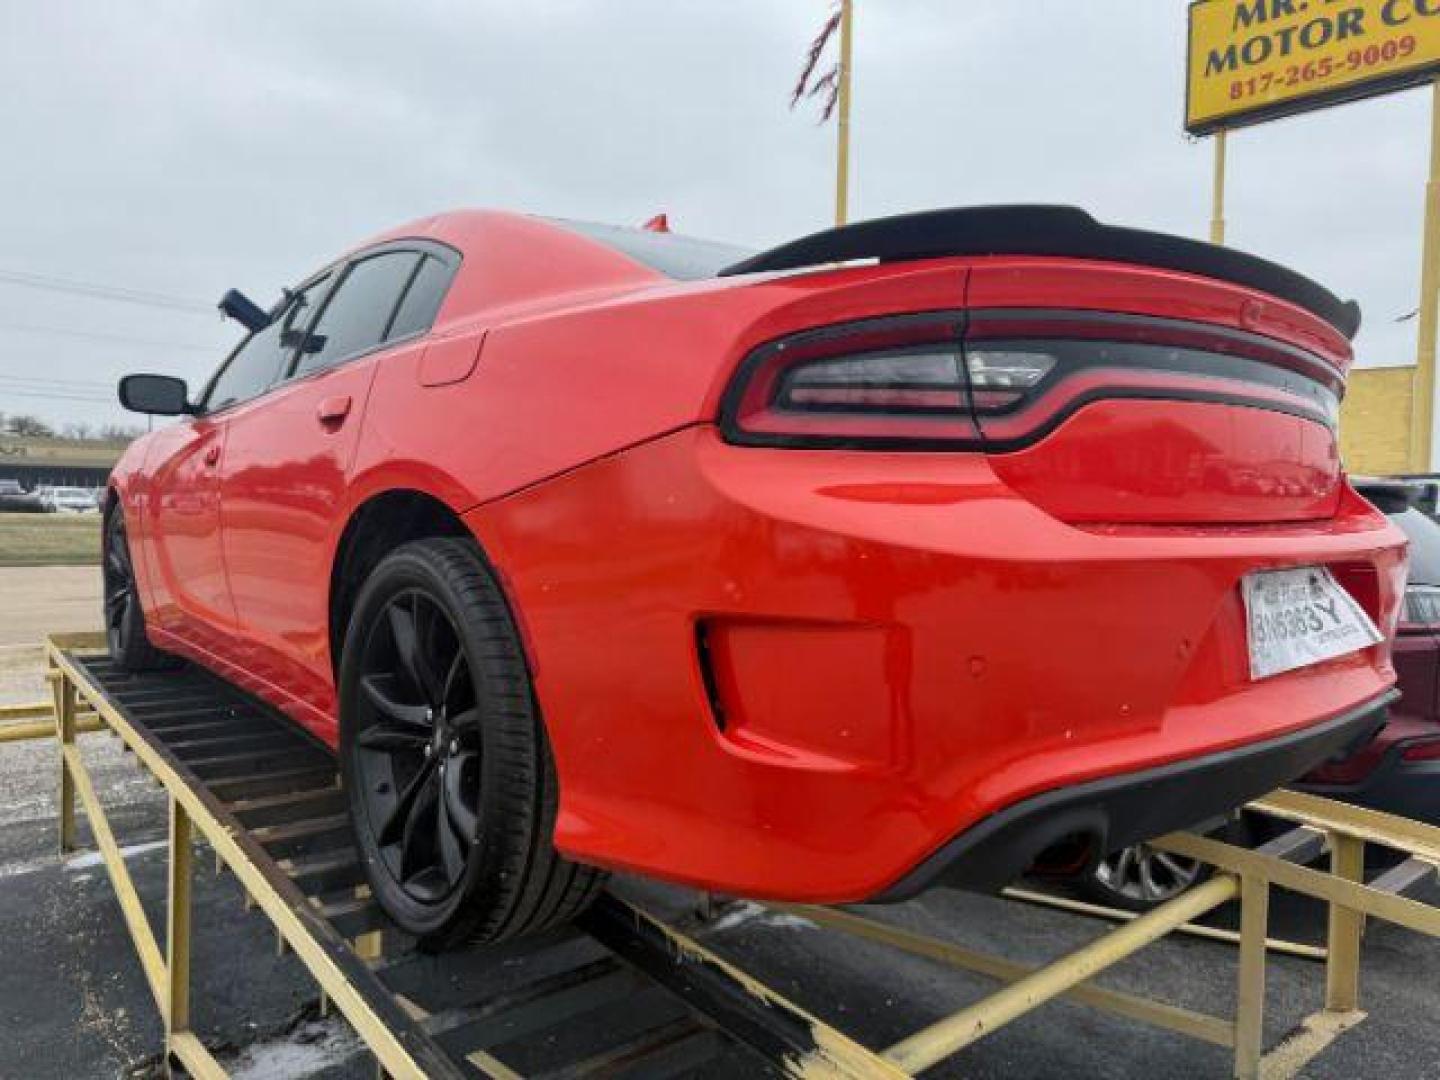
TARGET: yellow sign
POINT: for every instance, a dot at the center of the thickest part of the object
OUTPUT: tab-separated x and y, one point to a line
1255	60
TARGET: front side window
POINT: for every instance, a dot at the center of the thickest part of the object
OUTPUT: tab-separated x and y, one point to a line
358	316
258	363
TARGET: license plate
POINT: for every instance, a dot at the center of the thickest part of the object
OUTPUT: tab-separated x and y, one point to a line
1301	617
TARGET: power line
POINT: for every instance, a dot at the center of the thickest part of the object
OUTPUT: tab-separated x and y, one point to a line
52	395
56	389
119	339
117	293
43	382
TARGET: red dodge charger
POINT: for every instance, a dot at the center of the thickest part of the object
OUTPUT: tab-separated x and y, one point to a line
920	551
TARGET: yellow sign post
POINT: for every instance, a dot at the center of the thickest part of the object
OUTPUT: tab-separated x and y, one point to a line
842	128
1217	217
1258	60
1423	395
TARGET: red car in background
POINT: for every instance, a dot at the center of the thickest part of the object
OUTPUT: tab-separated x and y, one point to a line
1399	770
914	552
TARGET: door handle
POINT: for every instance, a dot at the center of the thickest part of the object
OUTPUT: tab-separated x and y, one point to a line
212	454
333	410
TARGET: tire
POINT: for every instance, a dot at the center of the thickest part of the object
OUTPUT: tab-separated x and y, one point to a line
449	778
1140	879
124	617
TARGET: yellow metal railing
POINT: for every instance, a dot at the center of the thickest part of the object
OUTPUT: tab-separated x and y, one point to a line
1243	875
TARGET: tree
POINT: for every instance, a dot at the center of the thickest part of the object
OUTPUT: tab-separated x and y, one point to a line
81	432
31	426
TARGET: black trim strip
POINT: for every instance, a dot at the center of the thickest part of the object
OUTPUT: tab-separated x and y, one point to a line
1118	811
1060	231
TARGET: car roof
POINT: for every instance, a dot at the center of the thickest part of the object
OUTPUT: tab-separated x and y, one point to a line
513	261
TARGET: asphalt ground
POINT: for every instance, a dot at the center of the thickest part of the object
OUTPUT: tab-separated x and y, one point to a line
73	1001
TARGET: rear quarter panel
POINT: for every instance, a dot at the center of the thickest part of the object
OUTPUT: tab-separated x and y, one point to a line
553	391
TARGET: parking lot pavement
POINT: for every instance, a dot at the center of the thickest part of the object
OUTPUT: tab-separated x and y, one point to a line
881	996
40	600
73	999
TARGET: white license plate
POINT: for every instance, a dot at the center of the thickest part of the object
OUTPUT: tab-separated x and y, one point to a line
1301	617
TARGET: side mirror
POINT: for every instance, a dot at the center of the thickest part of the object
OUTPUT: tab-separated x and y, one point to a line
236	305
155	395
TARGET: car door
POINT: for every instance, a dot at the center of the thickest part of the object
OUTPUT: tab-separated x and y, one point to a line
189	595
284	481
190	592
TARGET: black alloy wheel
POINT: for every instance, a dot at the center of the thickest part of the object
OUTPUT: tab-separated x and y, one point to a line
417	734
119	584
124	618
445	760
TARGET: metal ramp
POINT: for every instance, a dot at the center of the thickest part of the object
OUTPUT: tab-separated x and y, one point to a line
634	995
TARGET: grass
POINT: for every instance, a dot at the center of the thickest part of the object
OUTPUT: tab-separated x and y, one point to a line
49	539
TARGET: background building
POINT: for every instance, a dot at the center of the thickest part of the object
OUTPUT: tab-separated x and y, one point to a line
37	460
1375	420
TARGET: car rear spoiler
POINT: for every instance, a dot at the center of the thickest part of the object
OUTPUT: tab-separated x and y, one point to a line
1063	231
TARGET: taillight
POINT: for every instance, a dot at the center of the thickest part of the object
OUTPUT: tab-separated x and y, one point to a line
898	381
1422	608
1421	750
924	381
1000	380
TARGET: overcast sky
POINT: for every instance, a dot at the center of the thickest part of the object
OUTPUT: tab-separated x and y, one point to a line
182	147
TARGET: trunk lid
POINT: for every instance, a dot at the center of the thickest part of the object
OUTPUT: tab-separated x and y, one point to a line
1168	398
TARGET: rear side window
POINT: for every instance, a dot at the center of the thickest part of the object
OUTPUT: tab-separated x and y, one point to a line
259	362
422	300
358	316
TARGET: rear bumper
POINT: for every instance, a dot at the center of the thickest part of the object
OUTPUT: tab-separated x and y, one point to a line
799	675
1122	810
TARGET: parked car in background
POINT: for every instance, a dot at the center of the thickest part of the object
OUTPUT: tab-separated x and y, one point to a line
14	499
67	500
910	553
1398	771
1427	486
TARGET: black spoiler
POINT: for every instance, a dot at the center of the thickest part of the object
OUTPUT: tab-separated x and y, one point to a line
1063	231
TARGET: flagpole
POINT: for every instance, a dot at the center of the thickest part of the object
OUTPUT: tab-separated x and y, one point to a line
842	165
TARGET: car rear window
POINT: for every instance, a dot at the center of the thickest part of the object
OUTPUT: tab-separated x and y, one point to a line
681	257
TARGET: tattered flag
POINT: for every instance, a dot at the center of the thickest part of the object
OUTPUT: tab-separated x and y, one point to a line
826	86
